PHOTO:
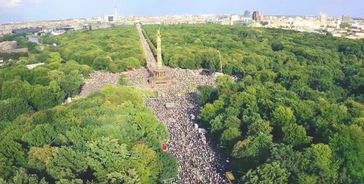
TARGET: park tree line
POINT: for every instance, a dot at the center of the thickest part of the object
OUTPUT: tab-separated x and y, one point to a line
108	137
24	90
296	113
68	60
115	49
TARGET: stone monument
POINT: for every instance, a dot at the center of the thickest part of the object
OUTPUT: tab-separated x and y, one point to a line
160	76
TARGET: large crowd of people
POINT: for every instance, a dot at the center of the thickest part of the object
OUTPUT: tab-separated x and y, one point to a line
176	107
198	163
97	80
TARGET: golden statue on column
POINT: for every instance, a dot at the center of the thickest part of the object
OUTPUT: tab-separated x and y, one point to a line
159	50
159	74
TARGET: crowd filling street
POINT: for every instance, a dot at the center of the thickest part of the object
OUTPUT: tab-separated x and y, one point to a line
97	80
176	106
198	163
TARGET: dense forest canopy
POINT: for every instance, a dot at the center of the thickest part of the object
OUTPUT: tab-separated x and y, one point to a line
114	49
108	137
295	116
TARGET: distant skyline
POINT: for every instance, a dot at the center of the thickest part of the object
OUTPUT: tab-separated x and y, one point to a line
34	10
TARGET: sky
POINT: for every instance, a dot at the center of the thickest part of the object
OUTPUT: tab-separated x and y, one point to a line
33	10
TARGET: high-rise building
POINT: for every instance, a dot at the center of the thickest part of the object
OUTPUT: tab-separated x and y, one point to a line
346	19
323	19
247	13
115	13
257	16
234	18
110	18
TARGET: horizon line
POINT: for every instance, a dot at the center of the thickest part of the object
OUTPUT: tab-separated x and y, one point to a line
187	14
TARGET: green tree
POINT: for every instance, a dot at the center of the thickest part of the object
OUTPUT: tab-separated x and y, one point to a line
42	97
251	152
12	108
105	156
21	176
39	157
259	127
348	145
295	135
145	162
11	156
229	137
54	57
168	167
102	63
128	177
41	135
270	173
210	110
128	63
207	94
322	165
277	46
67	164
72	83
15	89
282	116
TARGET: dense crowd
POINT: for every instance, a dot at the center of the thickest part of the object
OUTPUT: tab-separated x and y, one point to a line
198	163
97	80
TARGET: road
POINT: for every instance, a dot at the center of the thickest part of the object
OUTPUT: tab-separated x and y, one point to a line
150	59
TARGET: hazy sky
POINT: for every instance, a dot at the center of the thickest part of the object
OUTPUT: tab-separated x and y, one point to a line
25	10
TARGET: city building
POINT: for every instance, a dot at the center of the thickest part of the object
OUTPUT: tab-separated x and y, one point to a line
323	19
234	18
27	30
109	18
346	19
116	13
355	33
32	66
257	16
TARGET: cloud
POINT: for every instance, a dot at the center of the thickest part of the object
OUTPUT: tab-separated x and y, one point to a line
16	3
